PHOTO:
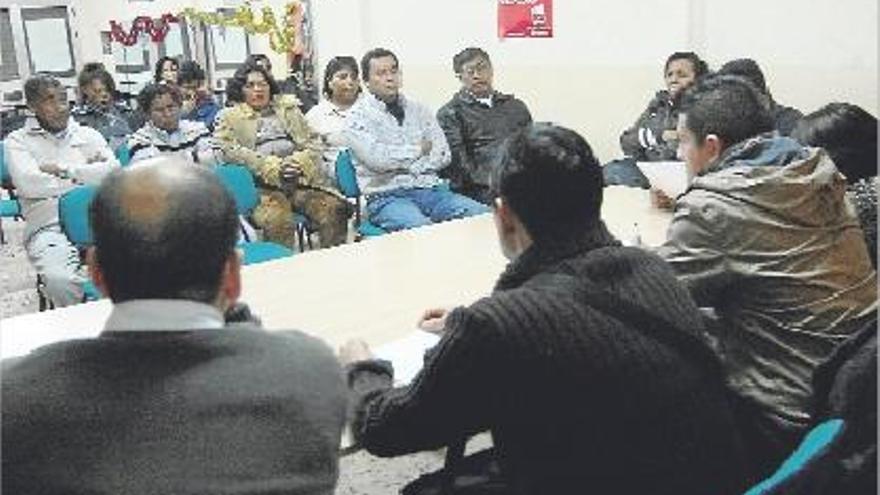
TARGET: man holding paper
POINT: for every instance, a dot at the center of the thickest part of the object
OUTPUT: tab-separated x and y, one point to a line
584	362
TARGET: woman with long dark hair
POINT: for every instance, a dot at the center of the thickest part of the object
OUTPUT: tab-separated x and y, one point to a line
268	133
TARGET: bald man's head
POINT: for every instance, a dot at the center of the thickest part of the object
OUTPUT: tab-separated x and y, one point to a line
163	229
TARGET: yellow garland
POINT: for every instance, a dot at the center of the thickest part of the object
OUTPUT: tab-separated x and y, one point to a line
281	39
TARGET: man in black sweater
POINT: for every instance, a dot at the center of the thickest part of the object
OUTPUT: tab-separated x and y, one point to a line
585	363
169	398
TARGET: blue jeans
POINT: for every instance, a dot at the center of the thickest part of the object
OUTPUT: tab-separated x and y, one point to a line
409	208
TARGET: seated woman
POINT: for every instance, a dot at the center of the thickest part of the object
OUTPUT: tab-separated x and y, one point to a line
849	134
166	70
653	138
341	89
166	133
267	132
99	108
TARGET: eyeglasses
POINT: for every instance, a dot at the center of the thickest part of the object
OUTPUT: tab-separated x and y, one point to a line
478	68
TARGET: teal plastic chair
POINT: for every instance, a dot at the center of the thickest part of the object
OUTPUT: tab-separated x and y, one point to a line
811	449
9	208
346	181
123	154
240	183
73	216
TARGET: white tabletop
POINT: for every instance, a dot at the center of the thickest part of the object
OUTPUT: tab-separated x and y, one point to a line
374	290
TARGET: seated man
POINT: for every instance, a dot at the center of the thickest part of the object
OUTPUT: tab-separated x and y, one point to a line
476	122
198	104
48	157
165	132
784	118
585	363
400	148
764	236
169	398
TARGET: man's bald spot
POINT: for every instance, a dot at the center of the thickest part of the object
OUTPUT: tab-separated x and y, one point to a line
148	190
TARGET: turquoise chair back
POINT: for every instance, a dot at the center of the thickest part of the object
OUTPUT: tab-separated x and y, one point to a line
5	178
123	154
346	177
812	447
240	183
73	214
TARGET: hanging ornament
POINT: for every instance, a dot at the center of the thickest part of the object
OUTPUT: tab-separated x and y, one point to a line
282	38
142	25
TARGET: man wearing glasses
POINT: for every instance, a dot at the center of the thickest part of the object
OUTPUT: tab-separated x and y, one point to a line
476	122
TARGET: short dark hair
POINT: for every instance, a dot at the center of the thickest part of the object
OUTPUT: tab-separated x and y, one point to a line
157	72
95	71
729	107
551	179
747	68
375	53
152	91
177	253
235	84
37	86
701	68
254	59
466	55
335	65
849	134
190	71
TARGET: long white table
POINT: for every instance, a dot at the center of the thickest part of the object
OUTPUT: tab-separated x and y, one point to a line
374	290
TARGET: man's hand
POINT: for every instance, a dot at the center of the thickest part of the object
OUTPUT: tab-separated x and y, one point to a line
434	320
97	157
427	145
660	200
53	169
669	135
353	351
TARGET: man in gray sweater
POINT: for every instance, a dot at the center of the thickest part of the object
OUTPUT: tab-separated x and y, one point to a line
170	398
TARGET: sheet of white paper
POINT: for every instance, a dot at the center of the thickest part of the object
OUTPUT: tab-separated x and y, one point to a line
407	354
669	177
48	44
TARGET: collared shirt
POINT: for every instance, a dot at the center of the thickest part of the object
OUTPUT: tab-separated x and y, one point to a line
192	141
328	121
79	150
163	315
389	153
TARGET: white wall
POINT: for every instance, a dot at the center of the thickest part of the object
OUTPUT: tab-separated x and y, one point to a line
602	66
605	60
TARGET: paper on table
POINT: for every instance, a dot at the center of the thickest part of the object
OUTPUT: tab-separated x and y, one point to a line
407	354
669	177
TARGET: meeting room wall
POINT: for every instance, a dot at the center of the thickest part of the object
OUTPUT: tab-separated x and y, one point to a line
87	19
605	60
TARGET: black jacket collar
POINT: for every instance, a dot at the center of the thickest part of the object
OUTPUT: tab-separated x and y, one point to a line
541	256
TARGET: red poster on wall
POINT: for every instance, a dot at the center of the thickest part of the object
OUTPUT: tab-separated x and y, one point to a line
525	18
